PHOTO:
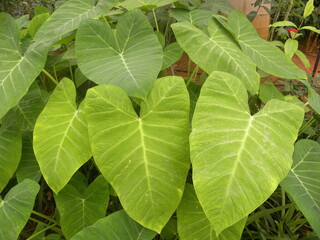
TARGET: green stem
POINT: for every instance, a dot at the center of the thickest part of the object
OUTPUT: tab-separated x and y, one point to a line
155	20
71	72
189	67
283	203
50	77
196	69
308	124
167	27
106	20
43	230
45	217
55	72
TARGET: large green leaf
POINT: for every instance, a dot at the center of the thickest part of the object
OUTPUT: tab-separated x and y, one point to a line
130	59
131	4
302	182
266	55
117	226
60	138
146	158
28	166
17	71
216	51
68	17
15	209
238	159
10	149
194	225
171	54
217	6
81	209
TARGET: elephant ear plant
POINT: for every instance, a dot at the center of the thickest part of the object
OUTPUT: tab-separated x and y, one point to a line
108	135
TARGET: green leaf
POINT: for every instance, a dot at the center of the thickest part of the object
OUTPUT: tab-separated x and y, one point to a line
283	24
28	166
238	159
267	56
60	138
291	47
216	6
17	71
295	100
16	207
216	51
116	226
10	149
268	92
171	54
131	4
81	209
302	182
146	158
170	231
30	106
194	225
40	10
130	59
308	9
36	23
303	59
313	97
68	17
196	17
79	77
311	28
23	21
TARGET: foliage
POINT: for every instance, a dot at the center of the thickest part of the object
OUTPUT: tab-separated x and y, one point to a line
121	150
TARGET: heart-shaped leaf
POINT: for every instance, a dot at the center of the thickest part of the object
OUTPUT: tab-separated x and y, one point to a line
81	209
266	55
193	224
197	17
68	17
16	207
17	70
120	58
116	226
216	51
10	149
145	158
302	182
60	138
171	54
238	159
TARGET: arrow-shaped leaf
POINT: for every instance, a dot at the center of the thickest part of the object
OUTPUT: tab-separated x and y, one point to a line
238	159
145	158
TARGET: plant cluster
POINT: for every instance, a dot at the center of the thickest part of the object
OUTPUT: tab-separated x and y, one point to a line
97	141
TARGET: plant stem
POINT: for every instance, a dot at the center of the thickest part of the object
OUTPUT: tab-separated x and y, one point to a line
189	67
43	230
283	203
71	72
286	16
155	20
45	217
167	28
192	75
50	77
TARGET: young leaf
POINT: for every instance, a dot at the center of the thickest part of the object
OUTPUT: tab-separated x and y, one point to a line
28	166
16	207
17	71
311	28
290	47
68	17
171	54
10	149
60	138
308	9
131	4
283	24
146	158
216	51
238	159
36	23
303	59
81	209
193	223
121	60
302	182
116	226
267	56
